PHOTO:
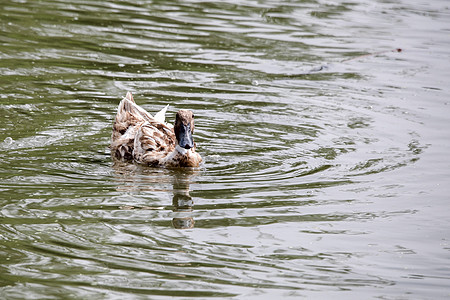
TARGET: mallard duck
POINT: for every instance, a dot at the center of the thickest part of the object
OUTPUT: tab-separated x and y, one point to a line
138	136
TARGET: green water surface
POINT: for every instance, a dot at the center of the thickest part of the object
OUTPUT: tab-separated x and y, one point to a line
326	150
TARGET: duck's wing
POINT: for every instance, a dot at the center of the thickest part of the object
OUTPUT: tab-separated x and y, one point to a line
161	115
153	142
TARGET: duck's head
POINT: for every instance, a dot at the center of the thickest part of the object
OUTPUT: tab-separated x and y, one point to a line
184	128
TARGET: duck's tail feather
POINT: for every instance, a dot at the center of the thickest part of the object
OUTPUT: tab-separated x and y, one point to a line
128	107
129	96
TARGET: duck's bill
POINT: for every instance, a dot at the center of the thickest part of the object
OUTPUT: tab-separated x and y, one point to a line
185	139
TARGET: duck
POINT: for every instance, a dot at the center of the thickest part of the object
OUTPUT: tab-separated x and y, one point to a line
139	137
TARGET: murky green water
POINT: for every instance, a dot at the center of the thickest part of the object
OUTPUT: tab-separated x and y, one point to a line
326	174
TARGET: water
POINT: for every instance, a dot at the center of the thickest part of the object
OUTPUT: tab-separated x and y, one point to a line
326	173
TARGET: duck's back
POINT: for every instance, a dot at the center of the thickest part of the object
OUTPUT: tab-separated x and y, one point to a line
154	141
138	136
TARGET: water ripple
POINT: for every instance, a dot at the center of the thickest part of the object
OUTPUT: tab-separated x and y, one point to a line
311	128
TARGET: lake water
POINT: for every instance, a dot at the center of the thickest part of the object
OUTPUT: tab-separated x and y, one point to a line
326	168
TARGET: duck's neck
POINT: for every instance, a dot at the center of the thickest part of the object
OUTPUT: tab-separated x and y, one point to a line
181	150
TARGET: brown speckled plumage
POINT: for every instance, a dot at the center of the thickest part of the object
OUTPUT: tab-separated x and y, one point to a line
139	137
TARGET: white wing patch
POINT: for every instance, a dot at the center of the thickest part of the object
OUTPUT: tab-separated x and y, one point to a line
161	115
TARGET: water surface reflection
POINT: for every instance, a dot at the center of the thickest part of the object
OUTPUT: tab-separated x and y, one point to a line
131	179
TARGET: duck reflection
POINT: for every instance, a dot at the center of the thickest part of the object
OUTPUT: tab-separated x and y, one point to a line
135	179
182	201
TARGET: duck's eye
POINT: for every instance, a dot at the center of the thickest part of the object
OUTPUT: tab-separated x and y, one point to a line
193	116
